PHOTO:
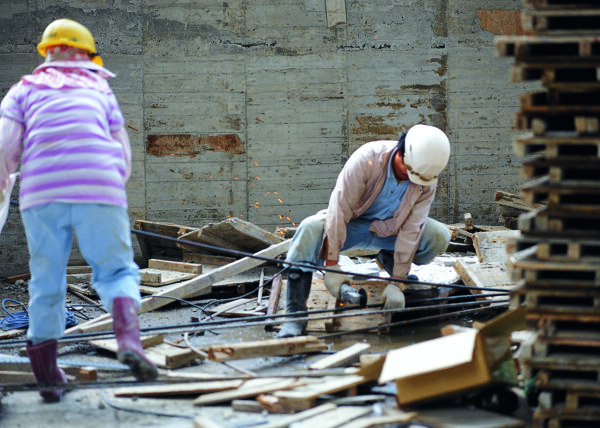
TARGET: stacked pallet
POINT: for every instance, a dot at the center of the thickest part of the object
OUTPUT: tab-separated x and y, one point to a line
559	277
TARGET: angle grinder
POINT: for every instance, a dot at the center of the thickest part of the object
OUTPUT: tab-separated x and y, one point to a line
350	295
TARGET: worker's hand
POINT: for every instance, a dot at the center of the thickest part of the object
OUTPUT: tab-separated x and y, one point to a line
333	281
393	297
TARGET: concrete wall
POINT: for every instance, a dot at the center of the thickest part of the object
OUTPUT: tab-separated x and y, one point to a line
250	108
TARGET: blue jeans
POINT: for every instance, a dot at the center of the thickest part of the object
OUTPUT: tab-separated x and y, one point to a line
104	238
307	240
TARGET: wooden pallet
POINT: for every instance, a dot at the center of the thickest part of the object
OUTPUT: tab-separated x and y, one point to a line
570	172
551	300
567	353
573	146
537	273
568	420
554	375
581	21
582	121
569	401
556	248
561	4
559	197
564	325
582	78
549	48
565	224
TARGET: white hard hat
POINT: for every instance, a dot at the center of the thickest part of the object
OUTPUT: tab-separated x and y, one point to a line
426	153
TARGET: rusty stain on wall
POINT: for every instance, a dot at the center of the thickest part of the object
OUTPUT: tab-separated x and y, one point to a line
373	125
190	145
229	143
501	22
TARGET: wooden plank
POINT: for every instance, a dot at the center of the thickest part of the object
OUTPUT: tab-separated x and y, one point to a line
335	418
512	200
250	388
466	417
484	275
188	288
205	422
158	277
273	304
152	247
395	417
177	389
233	233
207	259
175	266
340	358
300	416
15	376
320	298
12	333
161	354
490	247
263	348
303	397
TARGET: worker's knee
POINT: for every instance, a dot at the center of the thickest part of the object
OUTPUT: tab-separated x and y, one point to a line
434	241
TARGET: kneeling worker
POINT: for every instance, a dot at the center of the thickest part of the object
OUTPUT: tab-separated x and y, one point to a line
381	201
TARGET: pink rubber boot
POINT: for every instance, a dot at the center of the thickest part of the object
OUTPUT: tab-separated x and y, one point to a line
42	358
127	331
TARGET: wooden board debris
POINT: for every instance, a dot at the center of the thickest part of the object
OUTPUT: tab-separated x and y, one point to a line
340	358
233	234
184	388
268	347
319	298
491	246
189	288
463	417
484	275
300	416
160	248
337	417
175	266
391	418
161	354
250	388
158	277
304	397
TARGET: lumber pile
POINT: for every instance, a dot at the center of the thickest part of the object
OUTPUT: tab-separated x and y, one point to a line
559	279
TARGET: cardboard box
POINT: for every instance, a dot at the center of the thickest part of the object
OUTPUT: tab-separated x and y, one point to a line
468	359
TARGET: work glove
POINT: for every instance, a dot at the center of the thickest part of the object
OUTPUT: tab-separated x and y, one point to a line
333	281
393	297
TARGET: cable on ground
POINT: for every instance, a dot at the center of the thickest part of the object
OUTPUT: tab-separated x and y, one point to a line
20	319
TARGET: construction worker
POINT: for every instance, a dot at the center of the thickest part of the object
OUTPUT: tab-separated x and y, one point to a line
64	124
381	201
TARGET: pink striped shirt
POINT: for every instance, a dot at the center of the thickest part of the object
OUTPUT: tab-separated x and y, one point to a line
68	150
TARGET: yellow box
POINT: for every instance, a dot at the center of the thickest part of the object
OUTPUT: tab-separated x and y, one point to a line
466	360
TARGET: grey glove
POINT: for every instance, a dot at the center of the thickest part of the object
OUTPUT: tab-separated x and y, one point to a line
333	281
393	297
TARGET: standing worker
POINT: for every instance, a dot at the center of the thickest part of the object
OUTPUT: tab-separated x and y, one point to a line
381	201
64	124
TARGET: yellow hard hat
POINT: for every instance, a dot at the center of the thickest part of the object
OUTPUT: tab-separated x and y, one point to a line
71	33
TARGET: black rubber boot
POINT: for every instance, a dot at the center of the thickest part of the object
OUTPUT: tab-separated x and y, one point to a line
385	261
298	289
